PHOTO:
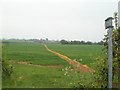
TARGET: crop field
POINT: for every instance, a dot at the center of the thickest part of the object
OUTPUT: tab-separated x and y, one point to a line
85	54
44	69
35	53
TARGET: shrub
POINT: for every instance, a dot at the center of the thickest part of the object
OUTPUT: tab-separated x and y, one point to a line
7	69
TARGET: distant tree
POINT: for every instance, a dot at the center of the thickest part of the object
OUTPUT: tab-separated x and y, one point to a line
100	43
88	42
75	42
46	39
82	42
64	42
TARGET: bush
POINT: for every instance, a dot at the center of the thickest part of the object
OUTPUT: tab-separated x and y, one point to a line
101	73
7	69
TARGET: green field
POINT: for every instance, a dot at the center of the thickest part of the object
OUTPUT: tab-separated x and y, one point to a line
25	76
85	54
35	53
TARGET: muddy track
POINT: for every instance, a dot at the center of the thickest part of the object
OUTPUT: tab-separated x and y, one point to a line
75	64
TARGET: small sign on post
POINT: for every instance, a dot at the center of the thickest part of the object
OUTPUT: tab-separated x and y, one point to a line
108	25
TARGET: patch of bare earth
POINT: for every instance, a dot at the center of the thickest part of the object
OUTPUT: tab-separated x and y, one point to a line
75	64
50	66
23	62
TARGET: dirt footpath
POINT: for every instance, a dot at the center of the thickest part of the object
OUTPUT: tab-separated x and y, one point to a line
75	64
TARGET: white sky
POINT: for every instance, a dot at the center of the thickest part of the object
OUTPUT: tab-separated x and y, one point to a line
55	19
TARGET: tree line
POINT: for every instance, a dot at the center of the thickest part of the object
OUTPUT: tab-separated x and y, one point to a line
80	42
73	42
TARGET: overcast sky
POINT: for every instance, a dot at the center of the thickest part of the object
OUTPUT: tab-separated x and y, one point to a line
55	19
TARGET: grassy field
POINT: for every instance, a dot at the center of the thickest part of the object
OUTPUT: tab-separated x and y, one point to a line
33	76
34	53
25	76
85	54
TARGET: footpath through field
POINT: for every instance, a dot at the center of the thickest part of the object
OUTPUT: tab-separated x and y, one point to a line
75	64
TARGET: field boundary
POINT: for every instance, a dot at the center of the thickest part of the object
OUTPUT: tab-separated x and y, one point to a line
75	64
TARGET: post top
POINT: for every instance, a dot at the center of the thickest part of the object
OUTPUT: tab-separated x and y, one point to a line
108	23
109	18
